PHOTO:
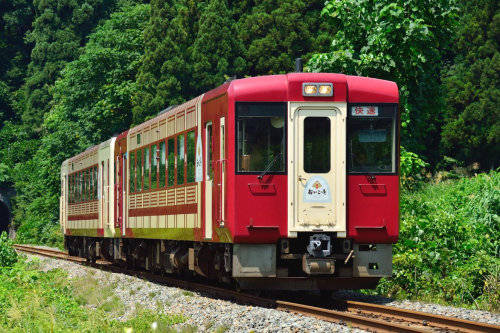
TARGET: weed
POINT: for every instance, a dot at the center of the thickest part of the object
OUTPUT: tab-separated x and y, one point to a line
187	293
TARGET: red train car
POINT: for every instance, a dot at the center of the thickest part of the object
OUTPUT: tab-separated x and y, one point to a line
274	182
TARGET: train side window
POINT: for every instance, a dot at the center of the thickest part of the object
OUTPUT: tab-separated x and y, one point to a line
317	144
95	182
80	186
85	186
209	145
154	167
190	156
77	187
162	165
70	188
70	192
181	158
147	168
171	161
131	173
91	184
260	137
139	171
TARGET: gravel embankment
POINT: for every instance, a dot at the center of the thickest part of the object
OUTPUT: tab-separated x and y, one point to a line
207	313
204	313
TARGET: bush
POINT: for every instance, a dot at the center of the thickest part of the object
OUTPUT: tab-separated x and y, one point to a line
8	256
449	243
412	168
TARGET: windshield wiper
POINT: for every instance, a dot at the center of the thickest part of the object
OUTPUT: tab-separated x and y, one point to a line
268	167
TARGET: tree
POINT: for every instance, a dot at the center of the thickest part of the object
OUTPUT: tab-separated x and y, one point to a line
274	33
217	51
15	20
165	76
403	41
59	32
91	103
472	116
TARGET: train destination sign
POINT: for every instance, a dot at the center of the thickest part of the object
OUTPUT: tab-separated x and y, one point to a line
364	111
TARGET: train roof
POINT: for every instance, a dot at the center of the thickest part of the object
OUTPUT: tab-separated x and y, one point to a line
288	87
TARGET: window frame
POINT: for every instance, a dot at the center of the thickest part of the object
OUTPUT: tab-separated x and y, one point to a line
386	110
284	106
139	151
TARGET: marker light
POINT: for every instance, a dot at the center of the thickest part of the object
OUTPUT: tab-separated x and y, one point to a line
325	90
310	90
317	89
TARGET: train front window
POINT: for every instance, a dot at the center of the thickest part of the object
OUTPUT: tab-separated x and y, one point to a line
371	146
260	137
317	145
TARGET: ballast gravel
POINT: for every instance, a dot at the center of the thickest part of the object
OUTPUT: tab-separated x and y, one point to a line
209	314
205	314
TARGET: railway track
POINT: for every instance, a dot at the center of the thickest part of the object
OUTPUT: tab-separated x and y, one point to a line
367	316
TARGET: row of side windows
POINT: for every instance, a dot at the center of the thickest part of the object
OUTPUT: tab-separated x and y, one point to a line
82	185
163	164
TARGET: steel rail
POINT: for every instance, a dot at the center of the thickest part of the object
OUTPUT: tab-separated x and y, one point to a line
372	317
426	319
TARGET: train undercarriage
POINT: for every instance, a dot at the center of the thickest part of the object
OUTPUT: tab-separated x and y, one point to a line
309	262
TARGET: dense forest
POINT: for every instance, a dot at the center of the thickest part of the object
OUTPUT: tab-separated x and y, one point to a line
75	72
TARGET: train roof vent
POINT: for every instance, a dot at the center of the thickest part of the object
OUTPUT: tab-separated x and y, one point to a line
167	109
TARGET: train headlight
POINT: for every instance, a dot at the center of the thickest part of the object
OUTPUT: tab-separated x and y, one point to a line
326	90
310	89
317	89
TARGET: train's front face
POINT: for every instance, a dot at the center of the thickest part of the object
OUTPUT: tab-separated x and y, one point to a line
327	186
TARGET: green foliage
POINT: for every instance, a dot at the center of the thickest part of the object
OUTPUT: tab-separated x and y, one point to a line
91	103
449	243
274	33
402	41
165	76
194	46
59	30
15	20
216	51
8	256
36	301
472	116
411	167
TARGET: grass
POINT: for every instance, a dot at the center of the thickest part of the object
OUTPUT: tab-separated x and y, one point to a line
33	300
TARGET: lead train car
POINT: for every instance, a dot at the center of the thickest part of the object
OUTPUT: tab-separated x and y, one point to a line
272	182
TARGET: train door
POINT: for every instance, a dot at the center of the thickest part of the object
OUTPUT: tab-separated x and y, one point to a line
221	174
64	201
214	175
121	184
208	178
124	182
315	169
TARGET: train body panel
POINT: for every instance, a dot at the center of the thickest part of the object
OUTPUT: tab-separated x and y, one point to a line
291	177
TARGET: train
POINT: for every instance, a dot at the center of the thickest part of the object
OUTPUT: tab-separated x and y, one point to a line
277	182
